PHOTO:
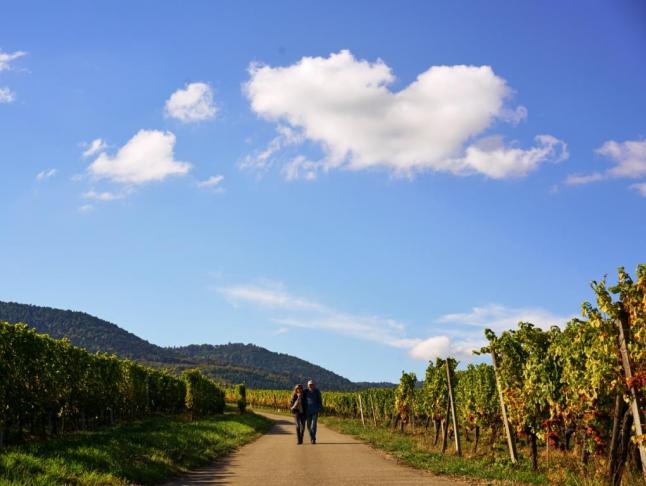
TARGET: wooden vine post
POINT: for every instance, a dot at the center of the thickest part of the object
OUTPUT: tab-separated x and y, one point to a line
361	410
511	443
374	412
454	416
638	419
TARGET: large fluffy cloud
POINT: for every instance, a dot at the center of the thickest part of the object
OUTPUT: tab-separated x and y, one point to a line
148	156
194	103
346	106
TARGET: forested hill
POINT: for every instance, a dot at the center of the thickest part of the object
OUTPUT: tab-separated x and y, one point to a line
86	331
252	356
229	363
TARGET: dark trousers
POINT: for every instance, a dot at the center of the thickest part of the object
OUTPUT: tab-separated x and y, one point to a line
299	418
311	425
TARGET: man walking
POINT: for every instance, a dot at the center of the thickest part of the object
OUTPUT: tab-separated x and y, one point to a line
314	406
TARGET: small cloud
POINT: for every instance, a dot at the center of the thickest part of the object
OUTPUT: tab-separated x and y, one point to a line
580	179
6	95
94	147
282	330
433	347
192	104
146	157
629	157
86	208
267	294
640	188
6	59
46	174
102	196
211	182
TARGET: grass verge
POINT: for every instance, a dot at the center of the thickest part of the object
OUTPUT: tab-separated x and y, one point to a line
413	451
144	452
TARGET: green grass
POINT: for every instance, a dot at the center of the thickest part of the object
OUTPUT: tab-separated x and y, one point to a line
413	451
144	452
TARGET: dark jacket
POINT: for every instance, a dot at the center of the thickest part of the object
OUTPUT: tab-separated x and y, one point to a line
314	401
303	401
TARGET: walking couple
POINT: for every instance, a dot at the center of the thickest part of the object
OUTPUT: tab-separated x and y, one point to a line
306	405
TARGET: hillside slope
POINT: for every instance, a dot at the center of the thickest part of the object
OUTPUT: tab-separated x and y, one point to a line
252	356
86	331
230	363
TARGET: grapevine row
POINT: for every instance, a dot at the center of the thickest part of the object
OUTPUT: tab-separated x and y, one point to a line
48	386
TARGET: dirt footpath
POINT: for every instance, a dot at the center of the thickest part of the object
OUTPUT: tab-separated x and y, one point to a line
275	459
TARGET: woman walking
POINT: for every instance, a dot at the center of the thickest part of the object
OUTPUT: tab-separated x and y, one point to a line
298	406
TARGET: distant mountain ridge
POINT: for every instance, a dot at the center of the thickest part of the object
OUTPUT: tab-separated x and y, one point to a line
229	363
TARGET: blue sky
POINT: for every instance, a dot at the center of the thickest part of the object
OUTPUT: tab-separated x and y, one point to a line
361	184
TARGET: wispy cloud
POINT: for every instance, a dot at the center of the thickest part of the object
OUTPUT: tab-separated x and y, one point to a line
628	159
581	179
6	95
455	334
46	174
94	147
499	317
213	182
462	333
640	188
6	58
268	294
86	208
102	196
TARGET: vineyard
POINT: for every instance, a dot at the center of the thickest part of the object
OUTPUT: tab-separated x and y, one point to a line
576	390
48	386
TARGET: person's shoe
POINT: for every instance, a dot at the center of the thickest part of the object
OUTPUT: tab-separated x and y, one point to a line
313	441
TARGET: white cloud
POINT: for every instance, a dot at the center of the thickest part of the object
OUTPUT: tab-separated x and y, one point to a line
301	168
345	106
457	335
492	158
641	188
463	333
262	159
268	294
499	317
86	208
102	196
310	314
433	347
46	174
194	103
94	147
7	57
148	156
581	179
211	182
628	158
6	95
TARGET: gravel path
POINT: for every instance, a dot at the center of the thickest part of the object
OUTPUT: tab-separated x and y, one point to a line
275	459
